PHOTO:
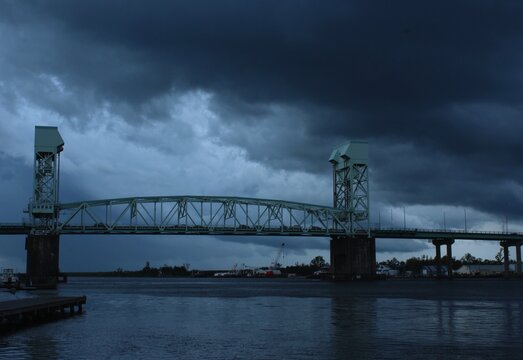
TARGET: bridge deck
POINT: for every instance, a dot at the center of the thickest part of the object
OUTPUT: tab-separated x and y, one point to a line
444	234
14	229
24	229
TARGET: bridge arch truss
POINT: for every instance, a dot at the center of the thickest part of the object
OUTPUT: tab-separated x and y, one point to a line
200	215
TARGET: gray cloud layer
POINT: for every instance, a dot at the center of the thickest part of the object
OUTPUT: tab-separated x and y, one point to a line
435	87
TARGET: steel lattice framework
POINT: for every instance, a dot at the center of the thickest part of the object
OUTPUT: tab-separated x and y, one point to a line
351	185
48	145
200	215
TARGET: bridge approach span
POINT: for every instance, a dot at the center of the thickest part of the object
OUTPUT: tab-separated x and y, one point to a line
445	234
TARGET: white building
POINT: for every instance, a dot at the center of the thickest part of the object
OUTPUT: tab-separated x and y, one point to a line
484	269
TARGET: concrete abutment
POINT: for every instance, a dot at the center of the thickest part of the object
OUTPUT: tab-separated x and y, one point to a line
353	258
42	260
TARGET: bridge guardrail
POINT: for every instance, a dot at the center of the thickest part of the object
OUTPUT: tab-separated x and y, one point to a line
450	231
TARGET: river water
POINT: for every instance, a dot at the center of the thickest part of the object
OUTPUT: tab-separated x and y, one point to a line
169	318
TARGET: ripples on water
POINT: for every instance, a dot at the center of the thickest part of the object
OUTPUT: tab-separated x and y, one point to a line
279	319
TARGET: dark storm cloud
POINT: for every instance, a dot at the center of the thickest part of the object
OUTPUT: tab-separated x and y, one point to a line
17	177
348	54
435	87
17	184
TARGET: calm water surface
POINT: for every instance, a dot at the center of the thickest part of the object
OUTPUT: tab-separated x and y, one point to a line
279	319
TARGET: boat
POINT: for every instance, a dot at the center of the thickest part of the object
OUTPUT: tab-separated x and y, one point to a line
9	277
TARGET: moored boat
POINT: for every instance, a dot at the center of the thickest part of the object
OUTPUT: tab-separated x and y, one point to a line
9	277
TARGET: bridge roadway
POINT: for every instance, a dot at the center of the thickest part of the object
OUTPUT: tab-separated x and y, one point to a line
390	233
215	215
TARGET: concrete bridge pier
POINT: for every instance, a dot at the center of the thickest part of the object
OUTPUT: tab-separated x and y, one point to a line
506	258
42	260
438	243
353	257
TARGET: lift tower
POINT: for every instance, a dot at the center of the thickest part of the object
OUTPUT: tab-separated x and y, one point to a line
352	256
42	244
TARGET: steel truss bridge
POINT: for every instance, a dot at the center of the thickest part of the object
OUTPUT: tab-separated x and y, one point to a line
213	215
193	215
347	223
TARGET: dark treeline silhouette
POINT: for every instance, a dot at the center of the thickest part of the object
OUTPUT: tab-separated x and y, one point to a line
415	264
316	264
306	269
149	271
146	271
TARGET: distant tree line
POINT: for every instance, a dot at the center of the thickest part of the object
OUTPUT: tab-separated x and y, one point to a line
415	264
149	271
306	269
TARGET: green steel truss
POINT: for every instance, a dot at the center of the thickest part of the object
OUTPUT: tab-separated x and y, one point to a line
200	215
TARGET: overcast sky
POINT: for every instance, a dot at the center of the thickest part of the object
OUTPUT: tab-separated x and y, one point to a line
248	98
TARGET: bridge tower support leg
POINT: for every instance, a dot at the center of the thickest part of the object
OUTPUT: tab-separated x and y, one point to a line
438	243
438	259
506	258
353	258
449	259
518	259
42	260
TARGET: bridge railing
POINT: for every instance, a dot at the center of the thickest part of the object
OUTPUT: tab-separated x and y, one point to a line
450	231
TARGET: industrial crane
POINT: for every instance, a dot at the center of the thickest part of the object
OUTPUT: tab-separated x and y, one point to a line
276	263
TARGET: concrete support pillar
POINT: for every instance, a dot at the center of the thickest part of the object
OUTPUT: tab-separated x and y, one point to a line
518	259
506	259
437	243
353	258
438	259
449	259
42	260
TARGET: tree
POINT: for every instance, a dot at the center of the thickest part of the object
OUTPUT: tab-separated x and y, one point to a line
414	264
468	259
318	262
393	263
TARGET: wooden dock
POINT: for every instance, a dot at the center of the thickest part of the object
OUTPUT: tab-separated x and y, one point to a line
36	310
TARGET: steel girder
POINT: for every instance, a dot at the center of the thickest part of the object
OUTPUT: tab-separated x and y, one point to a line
392	233
200	215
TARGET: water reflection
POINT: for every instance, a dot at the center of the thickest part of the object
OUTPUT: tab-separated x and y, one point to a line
388	328
41	347
354	322
287	319
31	346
